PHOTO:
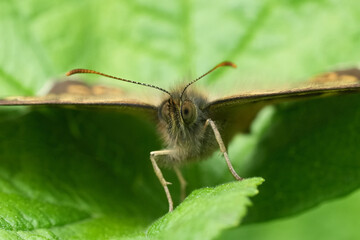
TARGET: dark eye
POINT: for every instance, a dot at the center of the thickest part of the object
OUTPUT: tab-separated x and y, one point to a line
188	112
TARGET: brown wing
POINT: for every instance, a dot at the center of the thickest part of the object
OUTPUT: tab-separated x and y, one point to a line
79	94
239	111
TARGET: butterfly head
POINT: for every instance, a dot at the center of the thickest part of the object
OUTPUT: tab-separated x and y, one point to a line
181	115
176	111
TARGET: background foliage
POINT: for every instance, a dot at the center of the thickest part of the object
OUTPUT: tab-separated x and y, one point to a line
68	174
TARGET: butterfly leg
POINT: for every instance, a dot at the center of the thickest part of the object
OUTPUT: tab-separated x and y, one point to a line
160	176
222	148
182	183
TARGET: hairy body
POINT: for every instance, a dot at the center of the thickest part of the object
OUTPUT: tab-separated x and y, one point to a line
189	141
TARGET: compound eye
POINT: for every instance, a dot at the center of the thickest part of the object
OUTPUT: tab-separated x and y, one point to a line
188	112
164	111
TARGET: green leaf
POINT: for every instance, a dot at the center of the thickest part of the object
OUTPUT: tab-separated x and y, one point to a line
197	218
307	156
54	183
340	215
75	188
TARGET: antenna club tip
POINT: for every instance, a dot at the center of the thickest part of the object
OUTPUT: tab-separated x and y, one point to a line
228	63
72	72
79	70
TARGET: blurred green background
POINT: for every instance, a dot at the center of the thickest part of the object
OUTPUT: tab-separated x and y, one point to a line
274	43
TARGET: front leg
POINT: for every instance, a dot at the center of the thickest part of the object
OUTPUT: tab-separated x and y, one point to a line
160	176
222	148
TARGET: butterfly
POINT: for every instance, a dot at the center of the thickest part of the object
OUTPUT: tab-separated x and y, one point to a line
191	126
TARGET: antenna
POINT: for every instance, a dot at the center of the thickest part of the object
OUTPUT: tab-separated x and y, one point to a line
223	64
80	70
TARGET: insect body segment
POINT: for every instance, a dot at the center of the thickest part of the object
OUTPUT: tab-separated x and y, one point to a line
183	123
